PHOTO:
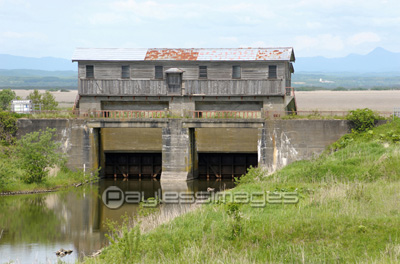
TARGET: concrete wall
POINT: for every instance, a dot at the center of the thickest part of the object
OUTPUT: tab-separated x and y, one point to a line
277	142
226	140
131	139
77	140
284	141
183	105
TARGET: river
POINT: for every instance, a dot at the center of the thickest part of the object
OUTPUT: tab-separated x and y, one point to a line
33	227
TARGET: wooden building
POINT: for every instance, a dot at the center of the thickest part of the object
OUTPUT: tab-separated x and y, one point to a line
185	80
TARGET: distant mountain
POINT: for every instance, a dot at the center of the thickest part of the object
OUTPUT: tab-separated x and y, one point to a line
10	62
38	73
378	60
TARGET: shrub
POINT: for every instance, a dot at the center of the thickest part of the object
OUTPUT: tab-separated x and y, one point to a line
38	152
6	96
8	128
363	119
47	100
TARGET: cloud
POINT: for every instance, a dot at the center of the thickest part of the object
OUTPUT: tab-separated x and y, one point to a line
323	42
106	19
363	37
157	10
255	44
228	39
11	35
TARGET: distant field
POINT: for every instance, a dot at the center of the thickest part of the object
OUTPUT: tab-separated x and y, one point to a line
64	99
348	100
306	101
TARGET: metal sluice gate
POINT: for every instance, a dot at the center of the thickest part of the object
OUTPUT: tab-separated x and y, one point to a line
133	165
224	165
149	165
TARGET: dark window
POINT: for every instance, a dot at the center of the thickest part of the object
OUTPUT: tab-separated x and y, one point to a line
159	73
272	72
174	83
126	72
89	71
236	72
203	72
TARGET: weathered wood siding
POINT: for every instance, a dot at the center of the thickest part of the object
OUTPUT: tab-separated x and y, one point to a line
215	70
236	87
122	87
254	78
199	87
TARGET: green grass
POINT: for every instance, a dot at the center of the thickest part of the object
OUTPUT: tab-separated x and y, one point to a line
349	212
11	175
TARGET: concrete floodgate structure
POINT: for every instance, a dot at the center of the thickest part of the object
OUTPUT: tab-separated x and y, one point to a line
180	84
179	143
180	114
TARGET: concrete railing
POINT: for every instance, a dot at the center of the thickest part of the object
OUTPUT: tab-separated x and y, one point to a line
227	114
124	114
134	114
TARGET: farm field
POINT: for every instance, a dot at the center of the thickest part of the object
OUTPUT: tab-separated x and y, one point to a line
64	99
348	100
306	101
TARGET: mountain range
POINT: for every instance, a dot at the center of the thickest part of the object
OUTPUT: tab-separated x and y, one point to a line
11	62
379	60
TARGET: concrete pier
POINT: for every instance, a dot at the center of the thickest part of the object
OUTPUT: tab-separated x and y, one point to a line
179	152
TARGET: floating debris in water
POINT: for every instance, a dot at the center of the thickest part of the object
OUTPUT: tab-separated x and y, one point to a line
62	252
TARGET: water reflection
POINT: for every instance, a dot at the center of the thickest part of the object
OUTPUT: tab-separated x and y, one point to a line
33	227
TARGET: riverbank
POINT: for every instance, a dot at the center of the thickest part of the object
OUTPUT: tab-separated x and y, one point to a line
39	189
63	179
347	211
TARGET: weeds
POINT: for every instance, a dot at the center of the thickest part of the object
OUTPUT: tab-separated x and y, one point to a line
233	210
348	213
124	239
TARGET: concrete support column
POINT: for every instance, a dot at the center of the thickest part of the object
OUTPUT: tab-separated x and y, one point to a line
181	106
273	106
179	153
262	148
95	151
87	104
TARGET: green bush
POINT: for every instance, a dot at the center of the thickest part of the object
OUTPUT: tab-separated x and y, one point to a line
6	96
38	152
363	119
4	173
47	100
8	128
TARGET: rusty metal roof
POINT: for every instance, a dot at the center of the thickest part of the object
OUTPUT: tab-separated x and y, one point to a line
163	54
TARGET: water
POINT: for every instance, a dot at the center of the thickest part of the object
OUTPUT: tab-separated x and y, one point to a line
33	227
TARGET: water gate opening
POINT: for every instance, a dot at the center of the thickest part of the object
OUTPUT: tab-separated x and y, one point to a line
133	165
225	165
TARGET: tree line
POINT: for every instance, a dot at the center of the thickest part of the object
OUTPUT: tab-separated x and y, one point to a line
46	99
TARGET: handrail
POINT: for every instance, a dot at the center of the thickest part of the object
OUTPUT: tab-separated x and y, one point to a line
125	114
227	114
137	114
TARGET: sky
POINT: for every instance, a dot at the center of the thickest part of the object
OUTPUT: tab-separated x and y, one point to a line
329	28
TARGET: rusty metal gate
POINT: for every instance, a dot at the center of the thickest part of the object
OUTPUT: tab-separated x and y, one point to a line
224	165
133	165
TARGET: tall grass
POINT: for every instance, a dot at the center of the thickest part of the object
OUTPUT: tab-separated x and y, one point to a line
348	212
